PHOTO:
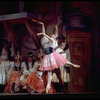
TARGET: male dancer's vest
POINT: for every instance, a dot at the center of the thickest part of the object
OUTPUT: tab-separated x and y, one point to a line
27	64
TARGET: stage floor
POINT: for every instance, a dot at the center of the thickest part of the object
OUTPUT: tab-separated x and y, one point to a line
71	95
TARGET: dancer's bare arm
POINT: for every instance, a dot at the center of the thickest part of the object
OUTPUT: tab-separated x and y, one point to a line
56	30
45	36
43	28
43	32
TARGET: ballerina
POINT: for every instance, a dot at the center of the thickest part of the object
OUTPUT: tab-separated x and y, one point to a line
52	61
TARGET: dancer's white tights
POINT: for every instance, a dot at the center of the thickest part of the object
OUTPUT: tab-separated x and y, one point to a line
49	81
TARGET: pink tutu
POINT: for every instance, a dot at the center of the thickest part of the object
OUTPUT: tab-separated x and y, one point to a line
52	61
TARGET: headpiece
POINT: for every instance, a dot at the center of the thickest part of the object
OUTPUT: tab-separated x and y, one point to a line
29	54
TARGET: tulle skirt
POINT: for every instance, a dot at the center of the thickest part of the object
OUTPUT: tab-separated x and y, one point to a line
36	84
52	61
14	80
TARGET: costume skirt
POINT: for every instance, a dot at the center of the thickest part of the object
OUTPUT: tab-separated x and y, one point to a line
52	61
14	79
36	84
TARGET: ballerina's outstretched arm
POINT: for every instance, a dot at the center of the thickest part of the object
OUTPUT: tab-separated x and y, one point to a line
56	30
43	32
43	28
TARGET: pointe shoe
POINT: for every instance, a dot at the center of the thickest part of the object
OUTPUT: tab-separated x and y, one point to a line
77	66
47	89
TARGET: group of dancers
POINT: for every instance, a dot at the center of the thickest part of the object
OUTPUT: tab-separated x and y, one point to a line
36	76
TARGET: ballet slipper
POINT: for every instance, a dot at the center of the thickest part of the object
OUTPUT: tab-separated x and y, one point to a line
77	66
47	89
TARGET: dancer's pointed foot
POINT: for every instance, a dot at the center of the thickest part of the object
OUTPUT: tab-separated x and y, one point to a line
47	89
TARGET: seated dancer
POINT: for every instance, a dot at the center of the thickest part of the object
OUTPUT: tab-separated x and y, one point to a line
28	67
34	83
13	84
52	61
